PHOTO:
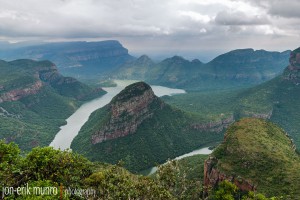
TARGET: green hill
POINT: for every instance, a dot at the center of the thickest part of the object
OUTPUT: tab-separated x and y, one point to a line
140	129
256	155
35	100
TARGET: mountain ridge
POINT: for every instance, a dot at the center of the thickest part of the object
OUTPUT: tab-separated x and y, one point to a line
241	67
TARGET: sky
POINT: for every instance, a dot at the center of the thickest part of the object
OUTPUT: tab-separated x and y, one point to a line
191	28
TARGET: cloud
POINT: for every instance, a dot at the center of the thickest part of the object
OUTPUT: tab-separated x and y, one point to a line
290	9
239	18
153	24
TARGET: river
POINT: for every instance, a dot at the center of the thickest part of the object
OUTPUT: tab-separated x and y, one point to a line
203	151
68	132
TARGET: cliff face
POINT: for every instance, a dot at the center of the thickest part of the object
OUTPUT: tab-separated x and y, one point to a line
127	111
292	72
17	94
212	177
215	126
27	77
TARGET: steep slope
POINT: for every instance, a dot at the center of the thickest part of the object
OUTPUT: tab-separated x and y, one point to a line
79	59
256	155
140	129
35	100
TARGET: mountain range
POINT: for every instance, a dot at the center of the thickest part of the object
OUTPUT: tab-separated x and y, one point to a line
109	59
238	68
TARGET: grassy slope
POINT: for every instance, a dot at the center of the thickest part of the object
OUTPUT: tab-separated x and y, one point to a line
261	152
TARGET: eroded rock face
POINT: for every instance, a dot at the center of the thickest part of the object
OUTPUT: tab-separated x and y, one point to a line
128	110
212	177
17	94
292	72
215	126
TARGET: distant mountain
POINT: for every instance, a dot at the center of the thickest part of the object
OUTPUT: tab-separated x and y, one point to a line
257	156
35	100
79	59
140	129
135	69
242	67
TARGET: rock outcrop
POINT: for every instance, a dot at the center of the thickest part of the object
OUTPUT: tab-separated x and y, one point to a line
127	111
17	94
292	72
214	126
212	177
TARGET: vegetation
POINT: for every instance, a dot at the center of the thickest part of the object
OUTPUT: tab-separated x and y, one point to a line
46	167
235	69
263	154
156	139
35	118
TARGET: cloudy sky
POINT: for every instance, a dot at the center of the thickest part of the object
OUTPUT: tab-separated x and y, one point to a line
192	28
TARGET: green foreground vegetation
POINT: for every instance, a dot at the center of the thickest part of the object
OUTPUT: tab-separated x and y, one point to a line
57	173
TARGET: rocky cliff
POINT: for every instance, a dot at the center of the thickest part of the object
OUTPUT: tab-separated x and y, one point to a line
292	72
127	111
215	126
213	176
17	94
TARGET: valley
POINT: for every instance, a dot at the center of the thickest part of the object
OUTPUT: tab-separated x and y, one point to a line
149	100
68	132
135	125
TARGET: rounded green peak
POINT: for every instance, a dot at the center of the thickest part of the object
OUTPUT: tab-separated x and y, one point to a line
250	135
135	89
261	153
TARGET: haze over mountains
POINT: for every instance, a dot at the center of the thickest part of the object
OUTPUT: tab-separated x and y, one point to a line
79	59
109	59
